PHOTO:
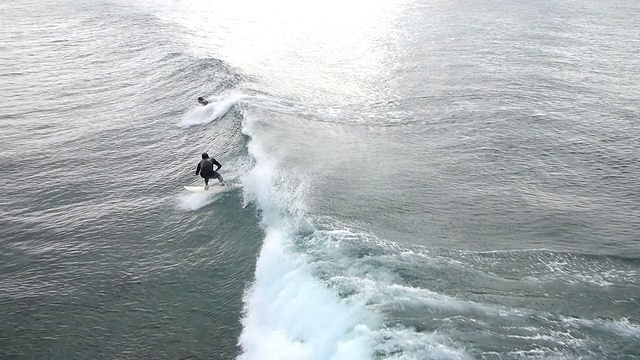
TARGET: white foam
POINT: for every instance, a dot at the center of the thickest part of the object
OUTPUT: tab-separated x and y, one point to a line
406	344
289	314
622	327
379	294
214	110
195	201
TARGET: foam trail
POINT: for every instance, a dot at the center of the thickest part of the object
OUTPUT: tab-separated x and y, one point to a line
195	201
214	110
622	327
288	313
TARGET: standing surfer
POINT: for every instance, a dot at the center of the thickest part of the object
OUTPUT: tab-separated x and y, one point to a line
205	169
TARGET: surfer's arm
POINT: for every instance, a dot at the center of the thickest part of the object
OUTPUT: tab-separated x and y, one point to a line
216	164
198	169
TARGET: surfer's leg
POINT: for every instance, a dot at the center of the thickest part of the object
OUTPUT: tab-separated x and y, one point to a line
220	179
206	182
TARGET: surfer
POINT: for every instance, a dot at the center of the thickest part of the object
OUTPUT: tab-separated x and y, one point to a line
205	169
202	101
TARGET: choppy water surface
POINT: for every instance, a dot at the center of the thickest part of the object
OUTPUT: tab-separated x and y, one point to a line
417	180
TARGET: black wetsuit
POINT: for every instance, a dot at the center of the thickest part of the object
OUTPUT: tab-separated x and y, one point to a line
205	169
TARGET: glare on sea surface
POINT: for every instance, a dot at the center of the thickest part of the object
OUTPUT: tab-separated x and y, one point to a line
329	45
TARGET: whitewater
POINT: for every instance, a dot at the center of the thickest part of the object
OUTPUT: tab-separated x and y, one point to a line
311	300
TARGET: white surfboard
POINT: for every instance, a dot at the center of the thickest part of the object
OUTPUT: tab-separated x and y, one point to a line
213	189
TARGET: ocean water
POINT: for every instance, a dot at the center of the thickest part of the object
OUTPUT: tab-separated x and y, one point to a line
415	179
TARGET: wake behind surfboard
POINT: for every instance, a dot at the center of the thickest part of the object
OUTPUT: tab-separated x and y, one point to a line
213	189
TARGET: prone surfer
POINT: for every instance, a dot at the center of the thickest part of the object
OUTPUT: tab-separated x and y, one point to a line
205	169
202	101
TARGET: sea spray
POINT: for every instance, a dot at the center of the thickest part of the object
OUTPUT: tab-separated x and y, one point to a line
214	110
195	201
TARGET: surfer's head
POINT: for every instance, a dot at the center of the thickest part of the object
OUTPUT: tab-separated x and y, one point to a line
202	101
205	155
